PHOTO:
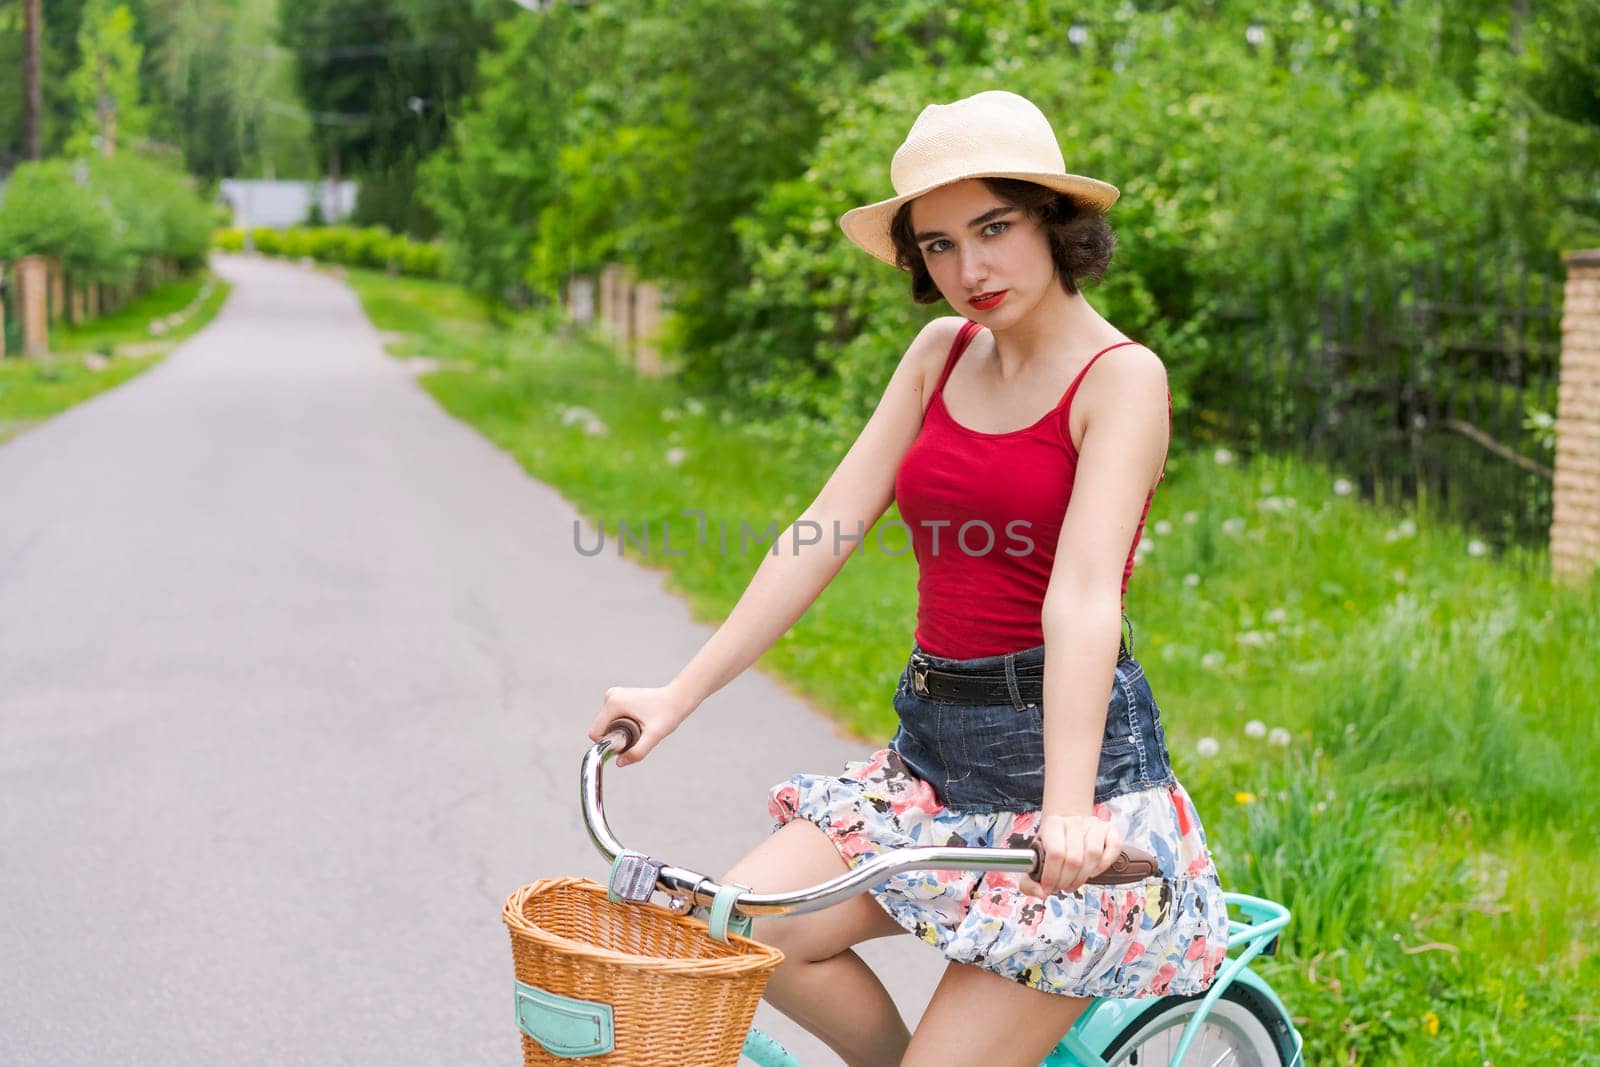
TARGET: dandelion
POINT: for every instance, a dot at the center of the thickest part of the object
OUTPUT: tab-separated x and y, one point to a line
1343	487
1223	457
575	413
695	405
1211	660
1430	1024
1191	580
669	415
1191	517
675	456
1244	798
1163	527
1255	728
1207	747
1279	737
1277	616
1319	807
594	427
1255	638
1399	576
1233	526
1476	548
1270	503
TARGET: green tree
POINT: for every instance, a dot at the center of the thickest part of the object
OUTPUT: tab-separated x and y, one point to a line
105	86
378	80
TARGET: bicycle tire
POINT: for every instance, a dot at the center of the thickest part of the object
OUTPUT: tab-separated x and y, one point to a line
1238	1010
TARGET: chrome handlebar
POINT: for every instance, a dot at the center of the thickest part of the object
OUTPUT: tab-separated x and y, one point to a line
688	889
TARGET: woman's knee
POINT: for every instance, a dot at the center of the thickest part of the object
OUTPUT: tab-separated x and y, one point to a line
799	855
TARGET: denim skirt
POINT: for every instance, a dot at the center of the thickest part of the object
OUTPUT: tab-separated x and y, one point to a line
973	774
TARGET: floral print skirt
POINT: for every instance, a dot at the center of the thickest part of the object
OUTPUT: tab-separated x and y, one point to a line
1164	935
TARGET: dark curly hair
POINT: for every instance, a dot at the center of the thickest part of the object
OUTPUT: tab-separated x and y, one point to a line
1081	241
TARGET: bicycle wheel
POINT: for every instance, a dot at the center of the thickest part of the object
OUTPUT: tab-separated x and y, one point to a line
1241	1030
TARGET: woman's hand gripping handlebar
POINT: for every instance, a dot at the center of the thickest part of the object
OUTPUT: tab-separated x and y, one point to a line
686	889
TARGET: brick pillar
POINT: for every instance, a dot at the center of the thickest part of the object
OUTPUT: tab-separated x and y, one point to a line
1575	523
33	301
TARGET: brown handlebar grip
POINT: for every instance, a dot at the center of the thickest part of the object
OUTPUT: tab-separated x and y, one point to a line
629	730
1131	865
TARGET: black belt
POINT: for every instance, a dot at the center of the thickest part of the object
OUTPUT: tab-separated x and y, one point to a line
990	687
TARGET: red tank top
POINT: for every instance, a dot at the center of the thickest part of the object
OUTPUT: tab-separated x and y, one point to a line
985	511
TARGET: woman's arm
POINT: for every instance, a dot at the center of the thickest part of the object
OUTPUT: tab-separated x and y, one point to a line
1124	448
790	579
853	499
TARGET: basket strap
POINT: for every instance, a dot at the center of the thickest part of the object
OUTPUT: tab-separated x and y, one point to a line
565	1026
719	921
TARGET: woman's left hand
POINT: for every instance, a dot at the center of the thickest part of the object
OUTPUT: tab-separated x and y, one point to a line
1076	848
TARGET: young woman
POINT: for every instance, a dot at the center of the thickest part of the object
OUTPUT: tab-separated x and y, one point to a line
1023	440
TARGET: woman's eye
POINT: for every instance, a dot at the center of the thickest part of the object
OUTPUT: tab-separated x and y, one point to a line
934	248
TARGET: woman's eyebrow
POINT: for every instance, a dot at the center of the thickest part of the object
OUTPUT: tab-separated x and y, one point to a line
987	216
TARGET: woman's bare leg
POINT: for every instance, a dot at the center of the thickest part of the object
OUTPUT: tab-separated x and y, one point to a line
821	984
979	1019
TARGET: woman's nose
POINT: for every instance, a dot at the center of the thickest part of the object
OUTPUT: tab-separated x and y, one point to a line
974	271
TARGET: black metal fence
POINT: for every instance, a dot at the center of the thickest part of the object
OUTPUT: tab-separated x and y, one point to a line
1436	383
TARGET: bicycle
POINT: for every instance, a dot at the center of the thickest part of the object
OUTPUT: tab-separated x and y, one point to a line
1237	1020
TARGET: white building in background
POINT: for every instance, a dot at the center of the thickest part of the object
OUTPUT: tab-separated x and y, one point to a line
279	203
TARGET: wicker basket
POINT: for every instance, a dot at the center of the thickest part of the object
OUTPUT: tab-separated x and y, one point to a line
679	997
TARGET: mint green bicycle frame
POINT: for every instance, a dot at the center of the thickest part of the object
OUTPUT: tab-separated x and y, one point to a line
1106	1018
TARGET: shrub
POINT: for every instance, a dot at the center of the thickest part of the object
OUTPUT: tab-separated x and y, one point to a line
102	218
366	246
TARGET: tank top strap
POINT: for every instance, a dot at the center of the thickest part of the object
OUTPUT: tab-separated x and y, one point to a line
1066	400
964	336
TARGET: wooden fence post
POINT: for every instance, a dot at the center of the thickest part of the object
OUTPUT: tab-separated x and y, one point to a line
580	298
57	292
646	322
33	301
1575	521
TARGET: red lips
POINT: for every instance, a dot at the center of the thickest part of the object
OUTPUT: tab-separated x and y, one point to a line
988	302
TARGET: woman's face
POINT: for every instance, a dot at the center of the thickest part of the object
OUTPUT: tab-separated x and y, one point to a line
975	244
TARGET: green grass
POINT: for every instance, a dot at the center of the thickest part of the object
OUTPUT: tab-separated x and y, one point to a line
1430	819
34	389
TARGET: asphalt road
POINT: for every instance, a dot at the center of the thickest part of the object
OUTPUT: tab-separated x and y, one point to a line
295	673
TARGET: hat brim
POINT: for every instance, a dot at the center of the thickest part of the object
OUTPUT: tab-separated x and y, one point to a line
868	226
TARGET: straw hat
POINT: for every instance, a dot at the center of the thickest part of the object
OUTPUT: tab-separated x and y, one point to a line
993	134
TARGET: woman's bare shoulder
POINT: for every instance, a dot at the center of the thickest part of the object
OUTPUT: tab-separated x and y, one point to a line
931	348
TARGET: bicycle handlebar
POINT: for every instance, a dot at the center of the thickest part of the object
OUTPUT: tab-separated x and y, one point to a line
690	888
